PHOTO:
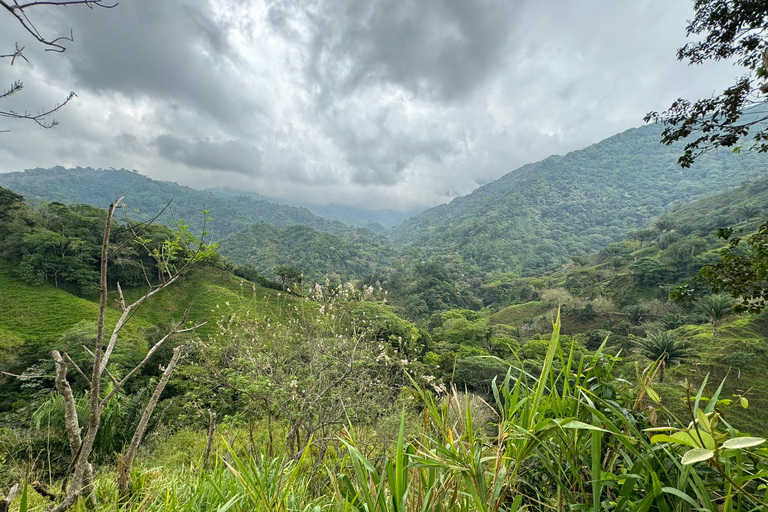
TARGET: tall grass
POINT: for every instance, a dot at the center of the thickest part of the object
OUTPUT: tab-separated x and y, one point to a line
570	438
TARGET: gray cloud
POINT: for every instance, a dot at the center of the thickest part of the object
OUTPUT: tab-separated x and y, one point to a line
229	155
445	47
378	104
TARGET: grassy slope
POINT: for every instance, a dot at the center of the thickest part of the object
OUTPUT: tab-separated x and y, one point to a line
41	314
516	314
738	355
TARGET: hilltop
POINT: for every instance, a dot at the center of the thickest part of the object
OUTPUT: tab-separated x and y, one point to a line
537	217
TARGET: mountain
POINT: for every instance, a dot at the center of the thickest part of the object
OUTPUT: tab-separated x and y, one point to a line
317	254
540	215
146	197
375	220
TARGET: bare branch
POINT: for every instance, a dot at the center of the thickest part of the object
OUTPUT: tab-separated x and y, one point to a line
106	370
37	118
18	11
17	54
176	330
69	359
126	461
71	424
5	504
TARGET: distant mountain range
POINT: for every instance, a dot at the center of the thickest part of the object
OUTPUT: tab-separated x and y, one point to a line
146	197
375	220
530	220
538	216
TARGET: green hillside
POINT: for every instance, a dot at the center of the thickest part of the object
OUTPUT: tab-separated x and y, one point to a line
375	220
146	197
317	254
538	216
43	312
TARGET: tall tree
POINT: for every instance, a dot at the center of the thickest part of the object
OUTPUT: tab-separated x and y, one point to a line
731	30
723	30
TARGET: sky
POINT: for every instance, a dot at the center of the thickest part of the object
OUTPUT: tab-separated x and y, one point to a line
399	104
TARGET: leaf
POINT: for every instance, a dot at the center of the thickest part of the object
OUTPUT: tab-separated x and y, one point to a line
744	402
703	420
653	395
679	494
739	443
697	455
683	440
579	425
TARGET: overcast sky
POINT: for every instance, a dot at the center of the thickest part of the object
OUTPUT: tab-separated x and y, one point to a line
398	104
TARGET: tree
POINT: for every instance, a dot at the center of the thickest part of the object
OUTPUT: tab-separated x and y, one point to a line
81	441
717	308
725	30
288	274
325	370
664	347
21	12
748	212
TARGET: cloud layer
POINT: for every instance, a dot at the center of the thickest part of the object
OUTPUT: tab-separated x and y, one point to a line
377	104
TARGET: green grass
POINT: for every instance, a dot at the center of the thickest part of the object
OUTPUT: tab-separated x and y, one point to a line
515	315
738	355
213	296
41	314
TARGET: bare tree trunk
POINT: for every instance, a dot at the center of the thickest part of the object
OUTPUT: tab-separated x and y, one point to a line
82	442
211	434
5	504
126	461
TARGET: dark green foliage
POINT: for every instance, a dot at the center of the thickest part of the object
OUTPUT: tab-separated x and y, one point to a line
61	244
716	307
741	272
428	286
318	254
476	373
540	215
672	321
146	197
635	313
666	348
722	30
649	271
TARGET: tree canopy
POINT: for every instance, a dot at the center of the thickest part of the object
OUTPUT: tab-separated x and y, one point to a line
724	30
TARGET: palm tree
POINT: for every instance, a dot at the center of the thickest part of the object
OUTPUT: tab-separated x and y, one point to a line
685	229
748	212
666	348
717	308
672	321
635	313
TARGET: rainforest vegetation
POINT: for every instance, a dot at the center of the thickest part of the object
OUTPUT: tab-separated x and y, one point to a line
588	332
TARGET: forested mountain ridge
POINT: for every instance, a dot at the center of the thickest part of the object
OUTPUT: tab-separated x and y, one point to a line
538	216
317	254
146	197
375	220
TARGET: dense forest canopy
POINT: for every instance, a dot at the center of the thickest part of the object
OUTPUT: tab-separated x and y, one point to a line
587	332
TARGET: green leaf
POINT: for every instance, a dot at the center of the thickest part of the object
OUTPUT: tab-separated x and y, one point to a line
680	494
744	402
653	395
23	506
580	425
739	443
697	455
684	440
